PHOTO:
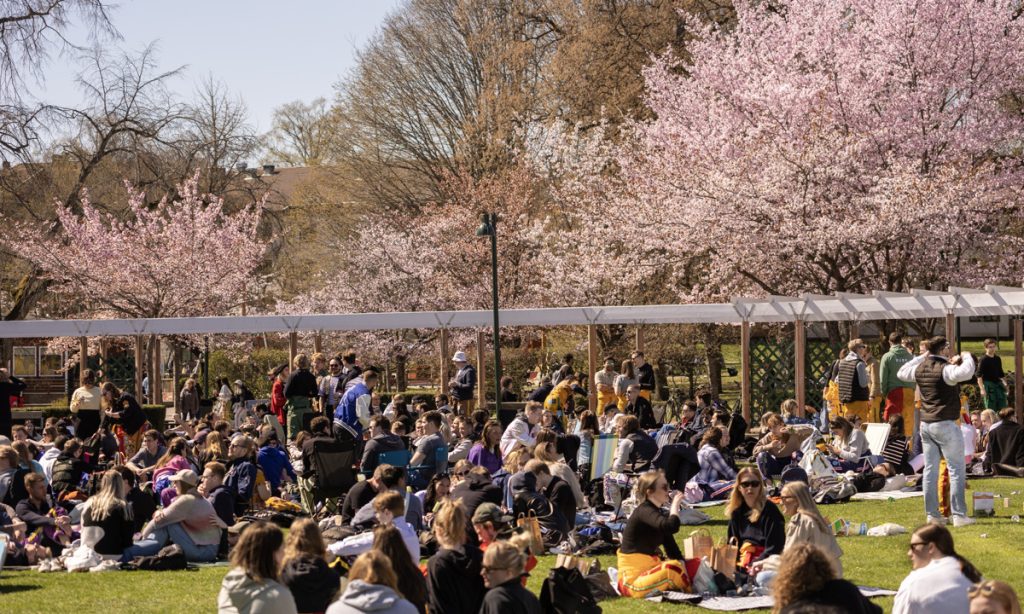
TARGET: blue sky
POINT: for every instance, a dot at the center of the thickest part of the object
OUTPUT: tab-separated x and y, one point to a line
269	53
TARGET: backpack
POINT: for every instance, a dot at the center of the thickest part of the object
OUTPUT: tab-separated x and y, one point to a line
869	481
832	490
566	591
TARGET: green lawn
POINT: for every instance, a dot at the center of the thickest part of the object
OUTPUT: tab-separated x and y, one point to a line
877	561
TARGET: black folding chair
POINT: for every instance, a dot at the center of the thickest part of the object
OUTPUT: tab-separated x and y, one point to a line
332	464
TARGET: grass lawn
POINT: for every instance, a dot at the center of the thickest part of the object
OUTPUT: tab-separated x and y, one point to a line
876	561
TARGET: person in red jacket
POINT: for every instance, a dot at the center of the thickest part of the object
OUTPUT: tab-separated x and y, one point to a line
277	399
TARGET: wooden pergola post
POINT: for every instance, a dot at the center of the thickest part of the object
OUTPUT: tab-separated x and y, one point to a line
951	328
444	373
293	348
139	367
156	387
639	345
175	369
800	339
83	357
318	343
1018	368
745	369
481	370
592	366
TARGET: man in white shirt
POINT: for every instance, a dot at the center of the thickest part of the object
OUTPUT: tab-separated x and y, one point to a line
521	431
938	380
390	509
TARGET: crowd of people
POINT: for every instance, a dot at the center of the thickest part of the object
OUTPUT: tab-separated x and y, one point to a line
447	508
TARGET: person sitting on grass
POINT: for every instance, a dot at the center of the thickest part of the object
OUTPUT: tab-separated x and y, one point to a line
304	569
807	582
372	587
242	472
716	474
274	461
940	577
107	525
252	587
754	522
502	571
189	521
648	530
849	444
453	573
774	451
993	597
410	582
390	510
39	514
143	463
806	525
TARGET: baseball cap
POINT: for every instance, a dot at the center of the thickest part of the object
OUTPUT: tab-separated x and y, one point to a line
491	512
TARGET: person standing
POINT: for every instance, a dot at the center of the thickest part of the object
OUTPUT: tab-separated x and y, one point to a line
463	384
329	393
353	412
277	399
990	378
604	383
300	390
644	374
854	382
10	386
938	379
349	370
898	395
560	370
86	403
626	378
188	405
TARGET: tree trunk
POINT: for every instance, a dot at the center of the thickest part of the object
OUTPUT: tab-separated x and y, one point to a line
402	378
713	357
660	381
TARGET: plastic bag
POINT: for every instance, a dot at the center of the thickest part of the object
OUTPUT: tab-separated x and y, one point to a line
82	559
704	579
886	529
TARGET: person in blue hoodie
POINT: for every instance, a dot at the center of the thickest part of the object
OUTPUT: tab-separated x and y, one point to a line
274	461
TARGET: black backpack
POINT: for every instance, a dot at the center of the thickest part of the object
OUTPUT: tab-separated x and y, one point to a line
566	591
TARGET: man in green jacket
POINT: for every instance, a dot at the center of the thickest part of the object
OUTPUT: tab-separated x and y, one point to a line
898	395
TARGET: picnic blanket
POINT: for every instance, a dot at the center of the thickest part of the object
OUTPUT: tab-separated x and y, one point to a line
885	494
707	503
736	604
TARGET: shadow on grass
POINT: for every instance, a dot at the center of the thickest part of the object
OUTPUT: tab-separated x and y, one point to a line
18	588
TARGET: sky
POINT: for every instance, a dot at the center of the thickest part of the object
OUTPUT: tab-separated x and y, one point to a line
269	53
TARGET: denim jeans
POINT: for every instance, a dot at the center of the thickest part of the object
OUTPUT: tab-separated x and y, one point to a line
943	440
152	543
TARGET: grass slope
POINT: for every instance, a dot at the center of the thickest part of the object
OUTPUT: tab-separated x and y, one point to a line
876	561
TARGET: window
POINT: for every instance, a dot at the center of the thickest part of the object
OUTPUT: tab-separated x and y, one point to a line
25	361
50	364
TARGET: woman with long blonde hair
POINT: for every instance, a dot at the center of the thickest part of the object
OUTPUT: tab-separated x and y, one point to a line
304	567
109	512
756	525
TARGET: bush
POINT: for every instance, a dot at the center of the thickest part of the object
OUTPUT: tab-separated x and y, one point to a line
156	414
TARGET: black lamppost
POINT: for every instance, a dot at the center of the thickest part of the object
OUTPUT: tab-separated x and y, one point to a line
489	228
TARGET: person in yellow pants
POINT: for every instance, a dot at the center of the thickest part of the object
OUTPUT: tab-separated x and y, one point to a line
604	384
854	382
625	378
860	409
641	569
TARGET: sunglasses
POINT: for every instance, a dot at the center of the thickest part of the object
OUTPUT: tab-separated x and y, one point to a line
751	484
984	589
914	545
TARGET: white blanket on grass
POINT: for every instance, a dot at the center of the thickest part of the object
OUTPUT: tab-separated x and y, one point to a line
885	494
736	604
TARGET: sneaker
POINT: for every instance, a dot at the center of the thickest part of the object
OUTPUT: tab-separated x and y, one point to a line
963	521
939	520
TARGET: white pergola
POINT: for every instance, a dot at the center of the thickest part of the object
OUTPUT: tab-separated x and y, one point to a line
806	308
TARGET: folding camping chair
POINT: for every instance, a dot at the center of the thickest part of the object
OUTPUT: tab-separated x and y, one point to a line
332	464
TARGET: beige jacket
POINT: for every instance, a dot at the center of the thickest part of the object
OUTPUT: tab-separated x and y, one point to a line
802	529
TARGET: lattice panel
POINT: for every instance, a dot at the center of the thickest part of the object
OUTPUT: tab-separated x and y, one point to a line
771	374
120	369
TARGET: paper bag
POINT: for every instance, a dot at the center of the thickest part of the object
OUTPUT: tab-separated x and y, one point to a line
531	525
698	545
723	559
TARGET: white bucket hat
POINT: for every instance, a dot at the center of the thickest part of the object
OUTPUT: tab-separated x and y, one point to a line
459	357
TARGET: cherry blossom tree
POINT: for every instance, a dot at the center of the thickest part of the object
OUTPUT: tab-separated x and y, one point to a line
184	257
823	147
